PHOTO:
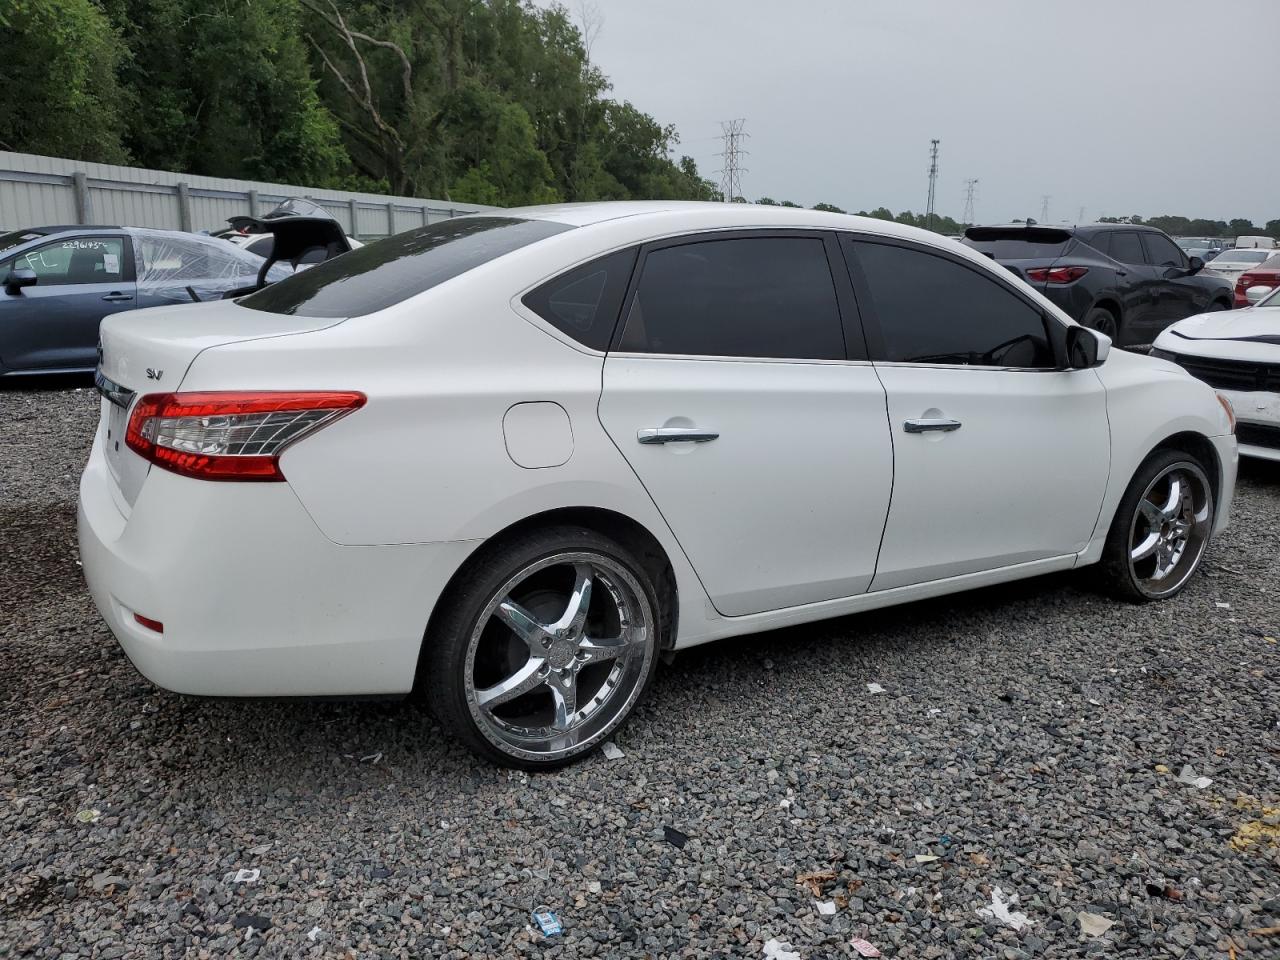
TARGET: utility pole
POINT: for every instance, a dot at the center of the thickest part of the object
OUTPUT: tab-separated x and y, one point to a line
732	135
933	180
1044	207
970	188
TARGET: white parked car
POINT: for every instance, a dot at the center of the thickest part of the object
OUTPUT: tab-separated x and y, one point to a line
1238	353
1229	264
511	458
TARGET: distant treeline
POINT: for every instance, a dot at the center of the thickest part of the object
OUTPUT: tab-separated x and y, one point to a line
486	101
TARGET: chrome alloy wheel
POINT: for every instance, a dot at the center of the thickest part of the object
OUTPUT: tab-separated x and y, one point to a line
1170	529
558	655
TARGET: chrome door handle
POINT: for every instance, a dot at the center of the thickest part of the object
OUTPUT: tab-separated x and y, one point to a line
675	435
117	297
925	426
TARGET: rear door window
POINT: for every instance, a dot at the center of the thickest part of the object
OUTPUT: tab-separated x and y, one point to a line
931	309
584	303
1126	248
767	296
1102	243
381	274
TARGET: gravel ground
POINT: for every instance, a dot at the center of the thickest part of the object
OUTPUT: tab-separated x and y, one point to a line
1028	740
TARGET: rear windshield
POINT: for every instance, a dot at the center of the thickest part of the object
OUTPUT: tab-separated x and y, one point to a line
1018	243
384	273
1244	256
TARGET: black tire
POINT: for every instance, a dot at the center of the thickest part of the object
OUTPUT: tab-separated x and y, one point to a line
1105	322
1116	572
449	671
1218	305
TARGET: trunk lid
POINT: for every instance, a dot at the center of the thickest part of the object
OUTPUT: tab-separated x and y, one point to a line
150	351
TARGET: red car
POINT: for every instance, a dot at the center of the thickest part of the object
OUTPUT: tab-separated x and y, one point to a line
1266	273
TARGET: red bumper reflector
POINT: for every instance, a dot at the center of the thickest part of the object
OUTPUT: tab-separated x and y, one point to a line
150	624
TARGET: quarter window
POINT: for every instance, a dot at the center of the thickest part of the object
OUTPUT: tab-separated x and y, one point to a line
584	303
75	260
933	310
1126	248
738	297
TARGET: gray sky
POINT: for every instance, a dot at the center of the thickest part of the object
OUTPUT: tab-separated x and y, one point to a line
1116	106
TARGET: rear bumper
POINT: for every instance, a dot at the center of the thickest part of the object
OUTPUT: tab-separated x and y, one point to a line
254	600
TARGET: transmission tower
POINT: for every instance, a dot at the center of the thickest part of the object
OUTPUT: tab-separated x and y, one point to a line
1044	207
970	188
732	135
933	181
1080	216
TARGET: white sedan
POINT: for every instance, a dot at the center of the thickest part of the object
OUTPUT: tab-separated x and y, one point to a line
1238	352
1229	264
509	459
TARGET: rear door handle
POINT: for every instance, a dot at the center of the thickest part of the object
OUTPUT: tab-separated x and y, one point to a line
114	297
675	435
927	426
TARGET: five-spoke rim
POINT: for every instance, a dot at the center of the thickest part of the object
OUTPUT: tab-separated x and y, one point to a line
558	654
1170	529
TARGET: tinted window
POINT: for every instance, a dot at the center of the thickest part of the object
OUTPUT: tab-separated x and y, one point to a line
933	310
75	260
742	297
384	273
584	302
1126	248
1161	251
1102	243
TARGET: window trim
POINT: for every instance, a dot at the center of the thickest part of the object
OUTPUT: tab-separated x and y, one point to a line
126	256
1055	329
851	328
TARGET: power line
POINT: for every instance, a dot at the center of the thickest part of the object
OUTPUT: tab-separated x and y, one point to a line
1044	207
933	180
731	137
970	188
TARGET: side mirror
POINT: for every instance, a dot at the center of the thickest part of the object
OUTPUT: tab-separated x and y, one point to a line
1196	265
18	279
1086	348
1258	293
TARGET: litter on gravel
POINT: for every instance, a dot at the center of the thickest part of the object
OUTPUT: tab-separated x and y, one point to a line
864	948
675	837
999	910
825	907
1188	776
246	876
1093	925
874	688
547	922
611	750
88	816
779	950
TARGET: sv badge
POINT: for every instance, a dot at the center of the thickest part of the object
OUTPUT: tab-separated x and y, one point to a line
154	374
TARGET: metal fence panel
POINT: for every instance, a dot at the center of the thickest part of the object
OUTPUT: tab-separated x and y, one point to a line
36	190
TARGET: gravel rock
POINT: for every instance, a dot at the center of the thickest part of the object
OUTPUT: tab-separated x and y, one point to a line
1029	736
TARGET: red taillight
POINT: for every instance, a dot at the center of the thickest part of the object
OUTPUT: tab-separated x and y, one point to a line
1056	274
231	435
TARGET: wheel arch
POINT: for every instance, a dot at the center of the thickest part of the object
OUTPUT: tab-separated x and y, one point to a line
1199	446
1112	305
616	526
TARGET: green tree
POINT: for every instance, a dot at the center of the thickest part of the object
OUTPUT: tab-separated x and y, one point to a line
1241	228
828	208
58	65
226	90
